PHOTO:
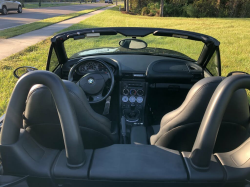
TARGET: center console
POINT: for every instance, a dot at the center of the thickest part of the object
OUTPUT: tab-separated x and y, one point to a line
132	102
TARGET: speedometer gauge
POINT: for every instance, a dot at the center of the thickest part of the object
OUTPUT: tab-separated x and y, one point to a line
90	66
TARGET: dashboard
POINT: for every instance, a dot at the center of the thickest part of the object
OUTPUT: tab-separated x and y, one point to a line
148	67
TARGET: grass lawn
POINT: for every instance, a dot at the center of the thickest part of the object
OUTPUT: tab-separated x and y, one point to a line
232	33
47	4
15	31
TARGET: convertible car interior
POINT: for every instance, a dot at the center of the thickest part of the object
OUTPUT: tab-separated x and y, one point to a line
127	107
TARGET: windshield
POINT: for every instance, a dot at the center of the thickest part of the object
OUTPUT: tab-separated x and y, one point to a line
156	45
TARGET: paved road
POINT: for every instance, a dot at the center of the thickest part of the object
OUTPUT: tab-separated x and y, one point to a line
31	15
18	43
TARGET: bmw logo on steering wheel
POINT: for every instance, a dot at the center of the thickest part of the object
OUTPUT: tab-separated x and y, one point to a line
91	81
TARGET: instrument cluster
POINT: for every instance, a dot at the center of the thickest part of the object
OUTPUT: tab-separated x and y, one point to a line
92	66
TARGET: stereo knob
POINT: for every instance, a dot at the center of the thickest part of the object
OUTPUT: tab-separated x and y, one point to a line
140	92
132	92
125	99
125	92
132	99
139	99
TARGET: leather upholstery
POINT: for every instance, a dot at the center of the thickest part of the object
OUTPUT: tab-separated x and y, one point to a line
178	129
41	119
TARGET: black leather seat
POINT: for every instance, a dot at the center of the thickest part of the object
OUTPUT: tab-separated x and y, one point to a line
178	129
41	119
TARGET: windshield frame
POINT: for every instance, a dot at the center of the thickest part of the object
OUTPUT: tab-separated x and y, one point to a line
210	43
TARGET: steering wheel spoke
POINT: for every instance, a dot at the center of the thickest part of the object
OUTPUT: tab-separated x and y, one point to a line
106	76
97	97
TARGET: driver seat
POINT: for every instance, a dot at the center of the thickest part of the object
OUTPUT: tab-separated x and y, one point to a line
42	122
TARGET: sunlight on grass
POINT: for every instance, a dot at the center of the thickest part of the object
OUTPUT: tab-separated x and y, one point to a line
232	33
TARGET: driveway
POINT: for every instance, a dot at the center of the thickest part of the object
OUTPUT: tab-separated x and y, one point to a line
31	15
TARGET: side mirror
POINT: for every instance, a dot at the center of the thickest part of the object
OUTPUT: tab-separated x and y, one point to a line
23	70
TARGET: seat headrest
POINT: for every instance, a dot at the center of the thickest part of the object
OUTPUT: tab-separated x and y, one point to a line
40	105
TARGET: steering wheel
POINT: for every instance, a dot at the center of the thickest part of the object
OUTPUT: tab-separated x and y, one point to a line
93	84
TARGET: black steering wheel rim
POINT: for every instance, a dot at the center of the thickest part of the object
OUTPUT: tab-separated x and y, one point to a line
80	62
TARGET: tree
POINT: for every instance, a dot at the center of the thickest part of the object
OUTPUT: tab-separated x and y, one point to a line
127	6
161	8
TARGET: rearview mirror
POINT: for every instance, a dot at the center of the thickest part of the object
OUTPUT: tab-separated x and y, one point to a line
23	70
133	44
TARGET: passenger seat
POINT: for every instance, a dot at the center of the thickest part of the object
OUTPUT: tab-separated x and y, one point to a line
178	129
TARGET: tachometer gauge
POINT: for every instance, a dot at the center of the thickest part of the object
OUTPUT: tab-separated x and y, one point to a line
90	66
100	67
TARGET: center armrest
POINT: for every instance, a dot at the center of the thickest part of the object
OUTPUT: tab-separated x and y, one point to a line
138	135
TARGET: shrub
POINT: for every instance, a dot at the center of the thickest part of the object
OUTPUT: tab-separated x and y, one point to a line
145	11
137	5
191	11
175	8
206	8
154	9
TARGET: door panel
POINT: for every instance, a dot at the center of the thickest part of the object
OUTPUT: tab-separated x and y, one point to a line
10	4
15	4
